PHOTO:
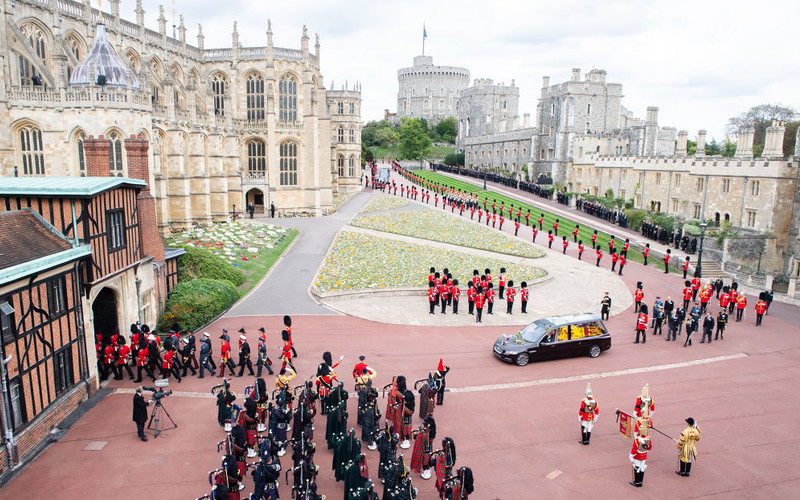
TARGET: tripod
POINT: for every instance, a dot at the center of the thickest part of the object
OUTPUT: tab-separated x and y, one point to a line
156	415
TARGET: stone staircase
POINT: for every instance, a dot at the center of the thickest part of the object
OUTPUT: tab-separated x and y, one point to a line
712	270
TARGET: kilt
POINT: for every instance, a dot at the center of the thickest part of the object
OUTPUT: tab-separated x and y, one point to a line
420	459
426	401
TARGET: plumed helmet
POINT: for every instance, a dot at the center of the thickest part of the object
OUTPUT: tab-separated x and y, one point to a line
589	391
646	391
287	321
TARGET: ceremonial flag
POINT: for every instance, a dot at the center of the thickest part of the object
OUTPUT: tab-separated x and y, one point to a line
625	423
424	32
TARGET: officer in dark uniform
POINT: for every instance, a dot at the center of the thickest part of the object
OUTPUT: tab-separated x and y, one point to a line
605	306
244	356
722	322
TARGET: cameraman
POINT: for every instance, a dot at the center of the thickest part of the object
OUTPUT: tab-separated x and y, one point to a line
140	412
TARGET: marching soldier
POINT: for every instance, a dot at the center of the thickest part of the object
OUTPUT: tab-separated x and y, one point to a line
205	355
622	261
455	293
692	325
722	321
444	291
263	360
225	355
501	282
125	356
695	287
614	259
423	447
666	260
605	306
761	308
687	447
644	403
471	297
641	324
741	305
550	239
168	366
575	234
489	293
588	413
638	296
143	363
580	249
685	267
599	255
565	244
646	252
638	456
186	359
687	293
244	356
534	232
432	299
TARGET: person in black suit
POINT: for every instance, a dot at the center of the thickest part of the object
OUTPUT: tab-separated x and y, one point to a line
140	412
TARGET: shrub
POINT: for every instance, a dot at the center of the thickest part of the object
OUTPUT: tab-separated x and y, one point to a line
454	159
194	303
635	217
198	263
691	229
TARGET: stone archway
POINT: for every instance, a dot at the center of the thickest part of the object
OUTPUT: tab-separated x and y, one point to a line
256	198
105	313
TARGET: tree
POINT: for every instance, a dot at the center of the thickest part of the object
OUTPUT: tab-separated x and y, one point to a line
454	159
366	155
385	137
370	129
691	147
760	117
414	140
712	148
729	148
446	130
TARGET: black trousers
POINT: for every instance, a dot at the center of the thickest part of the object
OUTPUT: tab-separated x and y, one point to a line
720	332
706	333
188	366
604	313
644	336
432	305
500	290
246	363
206	365
455	307
444	305
758	319
672	332
491	306
478	314
524	306
147	370
140	429
261	365
128	369
509	306
471	308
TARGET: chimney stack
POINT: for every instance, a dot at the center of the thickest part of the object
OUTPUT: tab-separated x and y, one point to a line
773	146
683	139
545	81
701	142
576	74
138	168
744	143
97	152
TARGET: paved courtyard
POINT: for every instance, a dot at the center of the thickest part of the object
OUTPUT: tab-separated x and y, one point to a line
516	427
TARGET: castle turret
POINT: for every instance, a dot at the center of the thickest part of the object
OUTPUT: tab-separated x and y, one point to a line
701	142
744	143
773	145
683	139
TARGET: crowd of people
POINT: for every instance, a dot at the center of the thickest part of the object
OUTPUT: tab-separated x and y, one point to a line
444	292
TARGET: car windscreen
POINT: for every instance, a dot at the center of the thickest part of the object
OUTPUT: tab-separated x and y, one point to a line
534	332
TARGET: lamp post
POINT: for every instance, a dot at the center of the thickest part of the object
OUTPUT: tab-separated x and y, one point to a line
484	178
698	271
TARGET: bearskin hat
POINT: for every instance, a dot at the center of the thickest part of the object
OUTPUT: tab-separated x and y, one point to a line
687	283
287	321
239	436
466	479
285	336
430	423
401	384
326	356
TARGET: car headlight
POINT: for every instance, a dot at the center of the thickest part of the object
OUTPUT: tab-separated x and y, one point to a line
511	353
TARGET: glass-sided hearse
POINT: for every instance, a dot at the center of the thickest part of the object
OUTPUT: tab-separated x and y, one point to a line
555	337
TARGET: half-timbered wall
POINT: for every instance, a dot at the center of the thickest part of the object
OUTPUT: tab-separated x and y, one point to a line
45	342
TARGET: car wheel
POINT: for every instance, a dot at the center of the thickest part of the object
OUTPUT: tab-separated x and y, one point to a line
594	351
522	359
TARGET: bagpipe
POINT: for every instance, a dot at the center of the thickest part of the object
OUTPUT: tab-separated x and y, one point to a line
385	387
418	383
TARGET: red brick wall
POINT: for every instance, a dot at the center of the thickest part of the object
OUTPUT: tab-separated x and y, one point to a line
97	151
40	428
138	168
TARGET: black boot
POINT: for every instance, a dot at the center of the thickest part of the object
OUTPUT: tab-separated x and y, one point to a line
682	472
588	437
688	469
640	479
583	435
635	478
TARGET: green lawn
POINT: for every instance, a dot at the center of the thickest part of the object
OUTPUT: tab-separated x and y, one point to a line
565	225
394	152
255	269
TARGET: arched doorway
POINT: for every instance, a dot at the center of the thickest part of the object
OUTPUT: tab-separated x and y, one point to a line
104	313
256	198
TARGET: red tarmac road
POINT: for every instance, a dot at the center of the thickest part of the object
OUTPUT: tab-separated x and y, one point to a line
742	391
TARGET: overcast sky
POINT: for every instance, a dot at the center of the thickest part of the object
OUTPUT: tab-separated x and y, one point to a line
700	62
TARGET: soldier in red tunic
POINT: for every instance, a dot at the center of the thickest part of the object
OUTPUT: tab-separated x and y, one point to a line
594	238
541	220
510	294
641	324
142	363
516	227
646	252
638	456
695	287
687	294
622	261
575	233
471	297
614	259
666	260
644	403
523	297
741	305
589	413
489	294
479	300
638	296
565	244
225	356
599	255
444	292
501	282
124	358
455	293
761	308
685	267
168	366
432	296
535	231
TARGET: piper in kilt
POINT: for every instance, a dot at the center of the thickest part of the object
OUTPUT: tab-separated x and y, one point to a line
394	406
370	418
427	397
444	460
460	486
423	446
408	415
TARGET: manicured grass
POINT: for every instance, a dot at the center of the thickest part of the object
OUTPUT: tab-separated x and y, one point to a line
394	152
358	261
255	269
437	226
565	225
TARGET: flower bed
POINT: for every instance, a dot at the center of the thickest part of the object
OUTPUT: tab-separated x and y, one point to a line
359	261
437	226
384	202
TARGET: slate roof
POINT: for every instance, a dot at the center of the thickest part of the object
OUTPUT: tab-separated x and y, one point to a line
23	237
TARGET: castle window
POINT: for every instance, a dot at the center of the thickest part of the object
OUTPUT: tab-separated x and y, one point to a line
255	97
352	108
340	134
81	155
288	166
36	38
287	99
340	165
56	296
256	159
27	73
755	188
726	185
352	137
751	218
30	144
115	155
340	108
351	166
677	180
115	220
700	184
218	89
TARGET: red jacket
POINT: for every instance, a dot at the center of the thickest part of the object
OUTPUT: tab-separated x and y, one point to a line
124	354
641	445
471	294
510	293
489	296
455	292
687	293
741	302
724	300
479	298
523	294
141	360
432	294
641	322
638	295
761	307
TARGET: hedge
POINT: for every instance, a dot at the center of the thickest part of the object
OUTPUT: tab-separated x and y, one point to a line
194	303
198	263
